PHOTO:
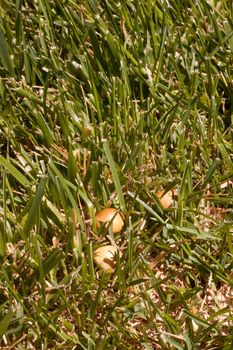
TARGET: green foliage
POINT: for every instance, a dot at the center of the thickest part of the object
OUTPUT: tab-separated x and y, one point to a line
104	103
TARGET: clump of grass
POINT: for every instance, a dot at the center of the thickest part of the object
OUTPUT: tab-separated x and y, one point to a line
104	103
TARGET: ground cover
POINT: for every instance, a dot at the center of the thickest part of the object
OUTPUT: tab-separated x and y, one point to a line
103	104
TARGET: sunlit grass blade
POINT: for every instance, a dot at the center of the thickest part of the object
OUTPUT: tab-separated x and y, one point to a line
148	208
14	172
114	175
33	211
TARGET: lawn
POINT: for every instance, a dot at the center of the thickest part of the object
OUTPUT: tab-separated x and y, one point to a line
106	103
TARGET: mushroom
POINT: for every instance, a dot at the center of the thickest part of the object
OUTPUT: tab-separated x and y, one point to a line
105	258
166	198
110	215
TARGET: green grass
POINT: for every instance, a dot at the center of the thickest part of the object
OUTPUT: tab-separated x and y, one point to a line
104	103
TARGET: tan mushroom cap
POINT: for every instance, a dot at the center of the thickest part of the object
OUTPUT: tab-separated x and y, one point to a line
105	258
166	199
110	214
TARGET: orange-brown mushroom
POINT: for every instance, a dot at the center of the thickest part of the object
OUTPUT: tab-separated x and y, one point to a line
166	198
105	258
112	215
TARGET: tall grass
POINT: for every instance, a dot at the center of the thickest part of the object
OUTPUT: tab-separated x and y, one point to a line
104	103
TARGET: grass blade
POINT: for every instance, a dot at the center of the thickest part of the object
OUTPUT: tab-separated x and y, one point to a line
5	56
4	323
14	172
114	175
33	211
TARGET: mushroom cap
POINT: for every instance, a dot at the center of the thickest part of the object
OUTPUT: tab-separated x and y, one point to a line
110	214
105	258
166	199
